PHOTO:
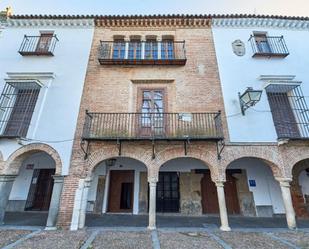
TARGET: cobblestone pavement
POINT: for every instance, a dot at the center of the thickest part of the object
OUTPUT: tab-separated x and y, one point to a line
167	238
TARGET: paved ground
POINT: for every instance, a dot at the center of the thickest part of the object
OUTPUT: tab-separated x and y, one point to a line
163	238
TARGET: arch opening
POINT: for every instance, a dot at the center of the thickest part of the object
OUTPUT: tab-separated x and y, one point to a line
118	185
251	188
31	190
180	186
300	188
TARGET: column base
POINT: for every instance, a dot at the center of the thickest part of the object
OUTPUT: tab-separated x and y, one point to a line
50	228
292	227
151	228
225	229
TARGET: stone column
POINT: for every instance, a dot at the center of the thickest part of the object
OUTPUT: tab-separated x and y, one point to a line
55	202
222	207
82	215
152	203
287	200
6	183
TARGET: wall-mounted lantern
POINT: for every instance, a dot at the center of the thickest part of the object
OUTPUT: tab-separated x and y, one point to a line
110	162
249	98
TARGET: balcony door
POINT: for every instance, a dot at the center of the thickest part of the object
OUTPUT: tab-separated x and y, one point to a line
44	42
262	43
152	108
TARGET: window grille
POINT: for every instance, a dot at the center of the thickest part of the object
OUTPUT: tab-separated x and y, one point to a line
289	110
17	103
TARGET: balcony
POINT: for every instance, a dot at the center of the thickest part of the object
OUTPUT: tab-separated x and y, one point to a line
43	45
152	126
142	53
268	46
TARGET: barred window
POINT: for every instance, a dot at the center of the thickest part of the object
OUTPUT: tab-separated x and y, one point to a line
289	110
17	103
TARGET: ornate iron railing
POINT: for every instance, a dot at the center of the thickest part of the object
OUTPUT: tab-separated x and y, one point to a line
142	53
164	126
38	45
268	46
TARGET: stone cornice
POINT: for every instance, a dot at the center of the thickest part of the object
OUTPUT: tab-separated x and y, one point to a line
49	22
140	21
261	22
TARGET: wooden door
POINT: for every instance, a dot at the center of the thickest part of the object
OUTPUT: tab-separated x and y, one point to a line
41	189
168	192
152	121
44	43
100	195
210	203
121	191
262	43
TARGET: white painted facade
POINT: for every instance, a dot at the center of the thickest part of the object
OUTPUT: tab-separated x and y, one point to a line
239	72
62	78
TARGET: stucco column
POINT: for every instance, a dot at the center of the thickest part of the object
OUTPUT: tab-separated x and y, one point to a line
222	207
159	40
84	200
6	183
126	52
54	202
152	203
143	41
288	204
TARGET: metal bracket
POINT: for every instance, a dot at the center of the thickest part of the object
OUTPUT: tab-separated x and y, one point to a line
119	145
86	151
220	147
153	150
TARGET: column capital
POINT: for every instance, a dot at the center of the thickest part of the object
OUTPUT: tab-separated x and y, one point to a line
152	180
58	178
284	182
7	178
143	38
159	38
220	183
126	39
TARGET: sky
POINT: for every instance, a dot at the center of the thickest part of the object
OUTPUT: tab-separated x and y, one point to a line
121	7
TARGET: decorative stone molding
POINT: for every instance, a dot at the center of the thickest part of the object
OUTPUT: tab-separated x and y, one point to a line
239	47
74	23
13	163
286	23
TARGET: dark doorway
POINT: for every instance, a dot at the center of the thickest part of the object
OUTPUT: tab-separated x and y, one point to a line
210	198
121	190
168	192
40	191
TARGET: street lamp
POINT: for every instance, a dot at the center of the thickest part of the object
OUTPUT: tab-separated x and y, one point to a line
249	98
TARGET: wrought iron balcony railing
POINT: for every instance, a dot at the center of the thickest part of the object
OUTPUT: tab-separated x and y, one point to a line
158	126
142	53
38	45
268	46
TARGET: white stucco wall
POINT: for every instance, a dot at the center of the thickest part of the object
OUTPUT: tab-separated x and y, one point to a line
22	182
239	72
56	112
304	182
267	190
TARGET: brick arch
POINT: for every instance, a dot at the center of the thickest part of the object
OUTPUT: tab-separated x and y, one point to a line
207	157
270	157
299	166
112	152
13	163
296	156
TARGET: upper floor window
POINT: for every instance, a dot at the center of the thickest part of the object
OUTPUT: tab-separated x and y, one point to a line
17	103
138	52
167	49
119	49
289	110
135	49
151	49
44	44
269	46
